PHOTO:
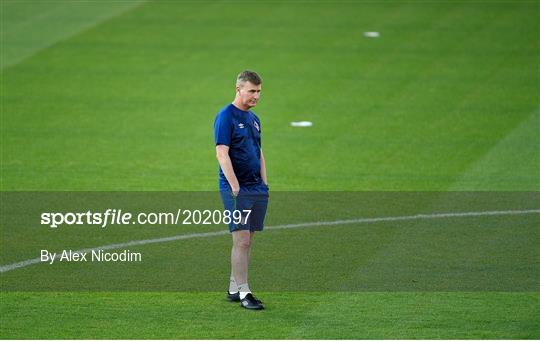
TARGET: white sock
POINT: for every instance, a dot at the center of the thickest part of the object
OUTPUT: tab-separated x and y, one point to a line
244	290
232	285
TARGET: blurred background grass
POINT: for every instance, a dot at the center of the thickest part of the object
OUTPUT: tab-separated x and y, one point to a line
446	98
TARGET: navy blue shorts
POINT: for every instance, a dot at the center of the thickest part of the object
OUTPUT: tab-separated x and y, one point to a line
254	198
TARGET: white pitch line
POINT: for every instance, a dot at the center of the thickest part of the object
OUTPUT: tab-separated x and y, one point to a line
13	266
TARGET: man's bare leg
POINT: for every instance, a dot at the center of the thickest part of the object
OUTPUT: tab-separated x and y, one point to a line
240	259
233	286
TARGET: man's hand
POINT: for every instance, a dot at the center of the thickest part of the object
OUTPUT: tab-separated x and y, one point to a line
235	191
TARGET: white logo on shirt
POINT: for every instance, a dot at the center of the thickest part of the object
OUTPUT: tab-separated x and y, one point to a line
256	126
241	125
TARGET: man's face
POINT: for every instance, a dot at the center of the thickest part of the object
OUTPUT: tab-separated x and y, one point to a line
249	93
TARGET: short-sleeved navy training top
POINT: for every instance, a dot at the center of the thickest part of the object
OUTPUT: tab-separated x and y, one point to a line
241	131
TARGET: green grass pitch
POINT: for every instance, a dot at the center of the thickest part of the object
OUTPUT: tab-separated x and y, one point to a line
121	96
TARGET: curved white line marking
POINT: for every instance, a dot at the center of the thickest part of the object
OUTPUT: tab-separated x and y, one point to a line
13	266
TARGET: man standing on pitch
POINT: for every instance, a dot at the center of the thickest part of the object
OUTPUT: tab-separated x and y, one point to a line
242	179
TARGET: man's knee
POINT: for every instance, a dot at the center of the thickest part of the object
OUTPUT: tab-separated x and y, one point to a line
242	239
244	243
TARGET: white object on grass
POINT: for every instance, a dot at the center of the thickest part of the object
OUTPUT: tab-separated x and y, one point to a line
301	124
372	34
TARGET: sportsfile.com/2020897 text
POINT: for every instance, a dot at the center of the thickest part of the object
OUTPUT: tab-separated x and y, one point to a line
118	217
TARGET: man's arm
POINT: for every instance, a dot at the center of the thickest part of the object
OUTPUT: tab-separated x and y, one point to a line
263	169
222	155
